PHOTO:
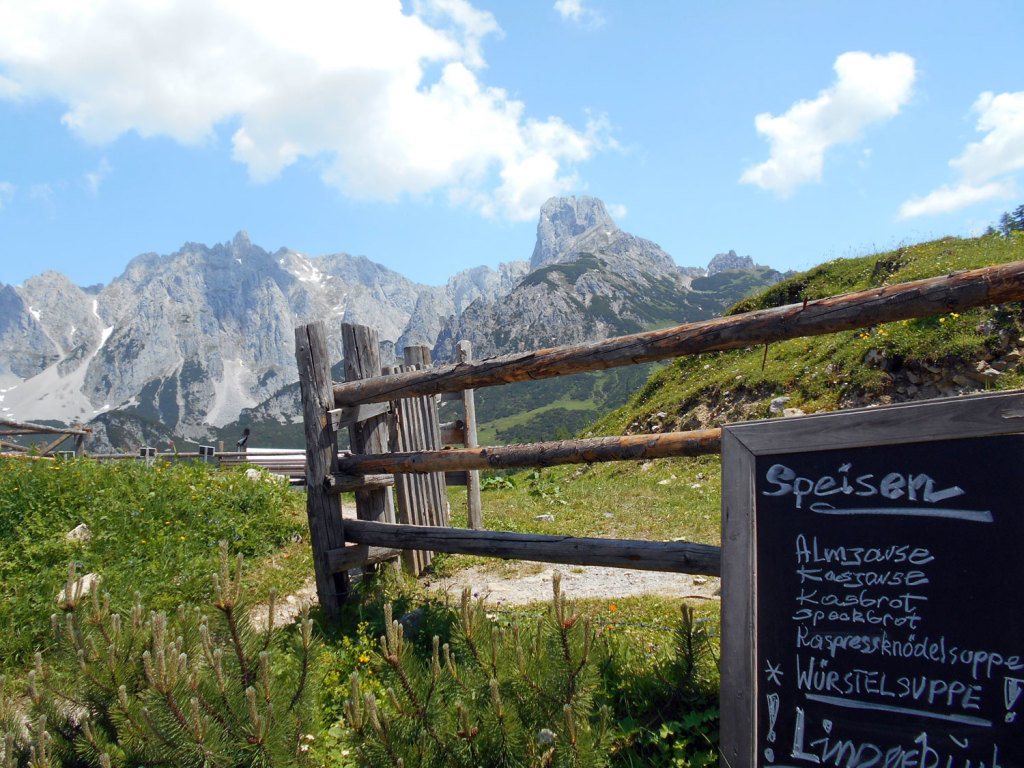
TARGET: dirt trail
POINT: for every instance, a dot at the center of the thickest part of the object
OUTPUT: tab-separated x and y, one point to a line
519	583
506	584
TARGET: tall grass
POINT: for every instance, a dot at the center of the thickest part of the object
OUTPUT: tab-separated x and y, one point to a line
152	529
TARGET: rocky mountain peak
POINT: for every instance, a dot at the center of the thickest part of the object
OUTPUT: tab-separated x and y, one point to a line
561	220
723	261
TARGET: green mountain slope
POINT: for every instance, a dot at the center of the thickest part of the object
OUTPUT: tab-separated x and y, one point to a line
931	357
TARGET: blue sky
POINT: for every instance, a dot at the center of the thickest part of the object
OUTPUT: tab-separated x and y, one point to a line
425	135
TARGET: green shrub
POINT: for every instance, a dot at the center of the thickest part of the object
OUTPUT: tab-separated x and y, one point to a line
499	695
666	709
194	690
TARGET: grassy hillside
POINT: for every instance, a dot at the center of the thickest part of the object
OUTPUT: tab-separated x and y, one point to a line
930	357
552	409
150	529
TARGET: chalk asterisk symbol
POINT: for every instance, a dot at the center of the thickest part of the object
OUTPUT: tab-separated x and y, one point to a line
774	672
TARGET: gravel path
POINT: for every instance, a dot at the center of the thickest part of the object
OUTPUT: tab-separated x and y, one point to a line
503	583
525	584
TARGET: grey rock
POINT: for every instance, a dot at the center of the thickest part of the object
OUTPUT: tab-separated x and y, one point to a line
81	587
778	404
412	621
726	261
80	532
561	220
193	338
873	357
544	518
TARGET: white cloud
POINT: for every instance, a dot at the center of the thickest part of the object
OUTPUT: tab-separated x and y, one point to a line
575	10
617	210
93	179
868	89
386	103
6	194
947	199
985	166
569	9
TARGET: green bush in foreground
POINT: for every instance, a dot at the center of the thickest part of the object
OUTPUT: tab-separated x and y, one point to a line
146	690
498	696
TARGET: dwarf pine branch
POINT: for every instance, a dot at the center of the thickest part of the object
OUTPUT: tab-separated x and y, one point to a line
191	690
505	703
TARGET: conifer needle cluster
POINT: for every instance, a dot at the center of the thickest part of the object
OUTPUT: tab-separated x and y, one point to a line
197	690
497	696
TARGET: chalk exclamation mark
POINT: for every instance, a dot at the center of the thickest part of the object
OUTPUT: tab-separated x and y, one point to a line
1013	688
773	714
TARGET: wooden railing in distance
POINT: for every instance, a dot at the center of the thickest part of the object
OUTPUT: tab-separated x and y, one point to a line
9	427
862	309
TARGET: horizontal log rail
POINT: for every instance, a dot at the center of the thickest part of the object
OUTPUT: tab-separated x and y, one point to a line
359	555
698	442
345	483
671	556
920	298
24	427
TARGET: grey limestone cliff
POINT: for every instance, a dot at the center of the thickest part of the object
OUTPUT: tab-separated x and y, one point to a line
192	338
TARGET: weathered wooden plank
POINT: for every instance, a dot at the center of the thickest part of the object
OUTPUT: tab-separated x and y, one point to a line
362	359
31	428
49	448
403	483
739	572
326	528
672	556
411	493
920	298
357	555
594	449
335	484
429	435
463	355
345	417
993	412
453	432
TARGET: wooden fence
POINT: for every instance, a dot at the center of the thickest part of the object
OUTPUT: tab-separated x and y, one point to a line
370	404
10	428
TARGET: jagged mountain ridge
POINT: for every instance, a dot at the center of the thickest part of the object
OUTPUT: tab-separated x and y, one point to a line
191	338
202	338
590	280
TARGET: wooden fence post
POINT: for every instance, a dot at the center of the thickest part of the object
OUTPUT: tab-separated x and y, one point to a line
326	528
463	354
430	430
362	360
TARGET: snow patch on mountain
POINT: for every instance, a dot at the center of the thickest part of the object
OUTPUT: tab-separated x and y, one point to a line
232	393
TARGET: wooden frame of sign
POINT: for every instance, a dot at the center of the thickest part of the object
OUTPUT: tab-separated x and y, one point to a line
872	585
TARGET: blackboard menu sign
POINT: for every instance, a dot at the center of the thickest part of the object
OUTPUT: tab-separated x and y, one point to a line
873	576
